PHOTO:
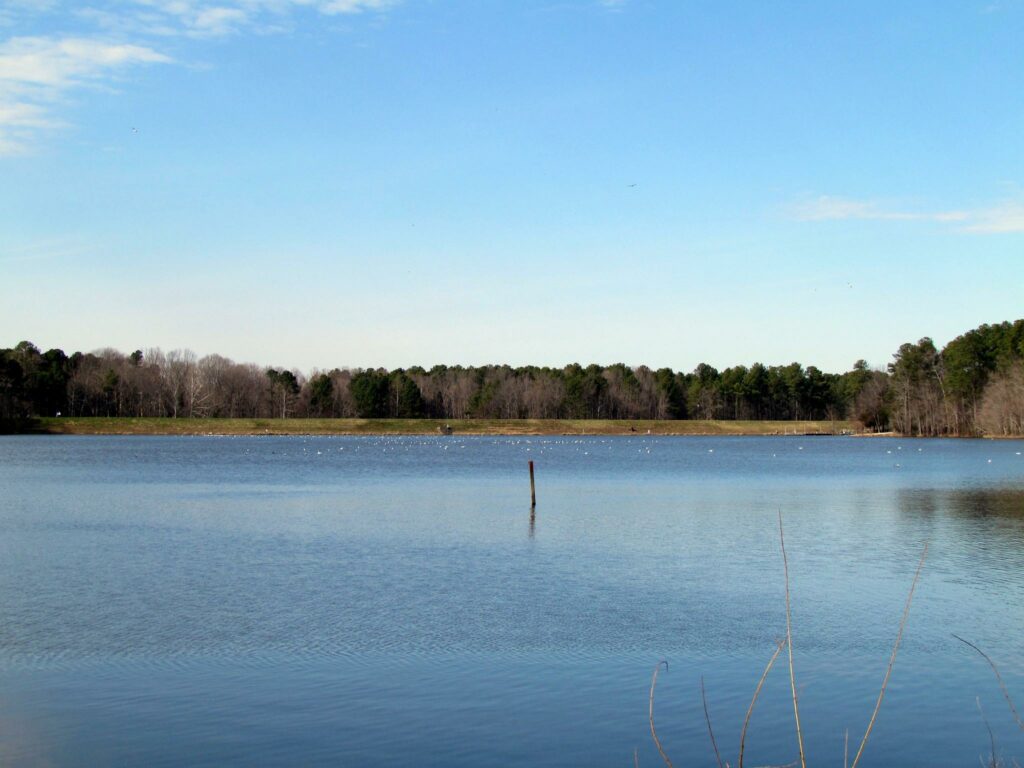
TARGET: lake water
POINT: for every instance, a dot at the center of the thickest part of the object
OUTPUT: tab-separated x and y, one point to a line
391	601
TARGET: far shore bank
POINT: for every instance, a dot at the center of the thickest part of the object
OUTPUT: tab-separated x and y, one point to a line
507	427
382	427
497	427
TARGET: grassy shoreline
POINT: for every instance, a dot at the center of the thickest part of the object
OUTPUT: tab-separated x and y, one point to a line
168	426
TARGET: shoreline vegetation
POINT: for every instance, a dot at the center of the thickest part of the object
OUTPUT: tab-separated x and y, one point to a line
972	387
121	425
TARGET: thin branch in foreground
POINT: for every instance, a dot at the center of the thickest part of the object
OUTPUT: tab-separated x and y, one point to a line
999	678
789	642
892	658
707	719
650	713
636	759
753	701
846	748
993	763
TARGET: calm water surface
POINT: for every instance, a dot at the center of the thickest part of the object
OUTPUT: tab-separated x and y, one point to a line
391	601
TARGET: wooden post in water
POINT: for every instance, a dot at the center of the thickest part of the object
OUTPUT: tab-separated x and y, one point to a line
533	488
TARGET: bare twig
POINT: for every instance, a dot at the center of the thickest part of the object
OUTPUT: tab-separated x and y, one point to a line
892	658
636	759
846	748
707	719
753	701
650	713
789	642
991	736
999	678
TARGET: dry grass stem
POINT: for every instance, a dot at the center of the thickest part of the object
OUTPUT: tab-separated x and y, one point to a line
993	762
789	642
707	719
999	678
892	658
753	701
650	713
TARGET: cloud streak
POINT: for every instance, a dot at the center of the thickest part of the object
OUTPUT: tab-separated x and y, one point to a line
37	73
200	18
28	63
1000	218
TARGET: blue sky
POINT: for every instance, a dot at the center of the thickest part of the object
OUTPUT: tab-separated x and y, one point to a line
320	183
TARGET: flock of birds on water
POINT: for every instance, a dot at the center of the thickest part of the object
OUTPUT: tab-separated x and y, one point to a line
532	445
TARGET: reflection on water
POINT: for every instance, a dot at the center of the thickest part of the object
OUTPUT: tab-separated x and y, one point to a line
983	522
373	601
1004	502
965	502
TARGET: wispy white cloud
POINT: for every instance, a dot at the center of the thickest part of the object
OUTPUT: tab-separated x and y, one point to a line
110	38
219	20
829	208
19	121
1007	217
999	218
59	63
12	11
36	72
351	6
200	18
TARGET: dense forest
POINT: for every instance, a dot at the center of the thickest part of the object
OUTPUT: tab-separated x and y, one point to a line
974	385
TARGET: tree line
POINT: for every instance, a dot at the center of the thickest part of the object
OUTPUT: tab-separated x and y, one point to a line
974	384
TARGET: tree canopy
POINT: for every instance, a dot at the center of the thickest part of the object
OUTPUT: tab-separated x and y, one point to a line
975	383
